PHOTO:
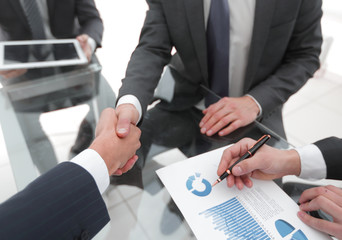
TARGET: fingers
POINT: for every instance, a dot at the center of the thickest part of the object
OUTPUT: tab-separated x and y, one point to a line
324	198
331	192
83	40
320	224
327	199
240	182
127	115
216	117
106	122
231	128
7	74
230	114
128	166
233	153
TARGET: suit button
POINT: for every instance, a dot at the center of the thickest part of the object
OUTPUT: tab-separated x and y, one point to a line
83	236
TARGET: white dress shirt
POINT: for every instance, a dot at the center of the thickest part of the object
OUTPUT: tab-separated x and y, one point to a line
91	161
241	29
313	166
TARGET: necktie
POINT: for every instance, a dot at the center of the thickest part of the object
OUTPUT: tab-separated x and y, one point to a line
218	50
35	21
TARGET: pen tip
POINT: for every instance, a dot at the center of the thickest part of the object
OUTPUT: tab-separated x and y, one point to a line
214	184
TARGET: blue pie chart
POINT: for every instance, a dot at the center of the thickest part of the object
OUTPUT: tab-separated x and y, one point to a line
205	188
284	229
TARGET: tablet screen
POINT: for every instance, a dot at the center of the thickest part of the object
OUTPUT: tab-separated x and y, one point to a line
40	52
26	54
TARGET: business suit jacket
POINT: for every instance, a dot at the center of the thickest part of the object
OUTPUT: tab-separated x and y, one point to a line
64	203
284	53
68	18
331	149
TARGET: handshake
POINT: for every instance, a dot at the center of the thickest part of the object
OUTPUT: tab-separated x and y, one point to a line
118	153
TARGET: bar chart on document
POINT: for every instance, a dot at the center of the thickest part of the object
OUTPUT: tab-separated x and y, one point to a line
261	212
235	221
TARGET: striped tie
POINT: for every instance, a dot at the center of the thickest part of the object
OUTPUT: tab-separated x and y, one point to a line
218	50
34	19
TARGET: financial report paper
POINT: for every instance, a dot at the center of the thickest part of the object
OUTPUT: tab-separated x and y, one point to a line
264	211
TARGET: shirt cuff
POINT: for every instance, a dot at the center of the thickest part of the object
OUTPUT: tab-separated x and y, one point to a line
91	161
313	166
92	44
257	103
132	100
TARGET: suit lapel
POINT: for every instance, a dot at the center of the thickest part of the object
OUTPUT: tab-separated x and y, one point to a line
264	10
19	11
195	16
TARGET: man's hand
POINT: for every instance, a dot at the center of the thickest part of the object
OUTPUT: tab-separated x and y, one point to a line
127	115
328	199
266	164
118	153
7	74
83	40
234	112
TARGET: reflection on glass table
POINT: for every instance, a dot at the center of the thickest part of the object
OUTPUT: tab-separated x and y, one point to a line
23	100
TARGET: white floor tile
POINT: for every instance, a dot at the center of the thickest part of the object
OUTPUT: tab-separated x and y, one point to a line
294	103
333	100
312	123
123	225
112	197
157	220
128	192
316	87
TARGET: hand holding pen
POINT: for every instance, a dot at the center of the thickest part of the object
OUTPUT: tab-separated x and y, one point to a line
267	163
249	153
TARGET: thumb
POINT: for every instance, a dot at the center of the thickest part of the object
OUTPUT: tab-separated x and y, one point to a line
245	167
123	125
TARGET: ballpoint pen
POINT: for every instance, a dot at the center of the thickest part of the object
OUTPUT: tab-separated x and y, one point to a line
248	154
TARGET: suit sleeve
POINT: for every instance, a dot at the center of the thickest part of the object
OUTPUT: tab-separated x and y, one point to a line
331	149
149	58
64	203
90	20
299	63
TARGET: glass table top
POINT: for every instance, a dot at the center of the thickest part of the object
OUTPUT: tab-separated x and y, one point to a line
24	99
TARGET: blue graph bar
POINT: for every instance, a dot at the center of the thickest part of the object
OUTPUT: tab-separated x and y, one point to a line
234	221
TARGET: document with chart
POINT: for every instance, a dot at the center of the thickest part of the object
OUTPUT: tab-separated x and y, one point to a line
261	212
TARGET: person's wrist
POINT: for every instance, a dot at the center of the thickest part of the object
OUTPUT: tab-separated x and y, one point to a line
255	104
253	107
293	165
102	150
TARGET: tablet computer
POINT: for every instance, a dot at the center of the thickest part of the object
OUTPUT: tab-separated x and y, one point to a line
40	53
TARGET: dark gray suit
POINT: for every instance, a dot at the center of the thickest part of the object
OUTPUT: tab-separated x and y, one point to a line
331	149
68	19
284	53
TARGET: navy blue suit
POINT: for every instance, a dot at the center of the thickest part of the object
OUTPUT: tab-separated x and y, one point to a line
64	203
